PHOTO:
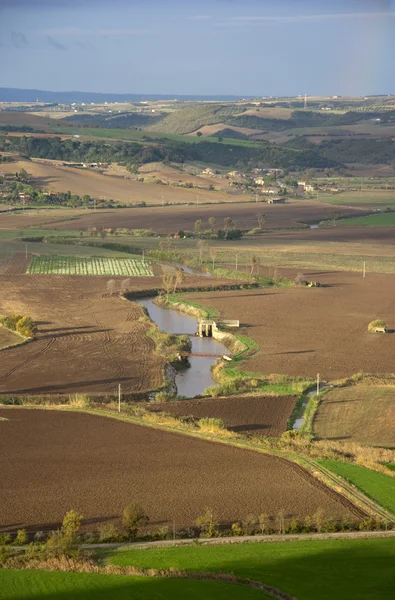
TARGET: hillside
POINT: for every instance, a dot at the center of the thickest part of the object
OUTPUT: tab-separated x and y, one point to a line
193	117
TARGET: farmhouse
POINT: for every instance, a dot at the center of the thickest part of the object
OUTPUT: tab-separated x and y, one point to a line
276	201
259	181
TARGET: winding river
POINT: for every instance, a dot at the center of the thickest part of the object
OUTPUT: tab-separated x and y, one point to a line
193	380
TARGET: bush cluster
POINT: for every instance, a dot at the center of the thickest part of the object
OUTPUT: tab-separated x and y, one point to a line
19	323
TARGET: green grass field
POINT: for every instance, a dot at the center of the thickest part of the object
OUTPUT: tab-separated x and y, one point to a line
377	486
68	265
309	570
36	585
144	136
381	220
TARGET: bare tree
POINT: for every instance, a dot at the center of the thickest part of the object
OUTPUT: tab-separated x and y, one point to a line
212	221
228	224
261	219
202	247
111	283
213	254
281	522
125	285
197	226
178	279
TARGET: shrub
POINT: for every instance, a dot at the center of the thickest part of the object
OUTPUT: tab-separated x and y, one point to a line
21	538
79	401
109	533
237	529
207	523
211	425
377	323
133	518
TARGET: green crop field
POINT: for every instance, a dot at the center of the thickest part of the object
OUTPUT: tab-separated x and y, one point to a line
310	570
377	486
70	265
381	220
25	585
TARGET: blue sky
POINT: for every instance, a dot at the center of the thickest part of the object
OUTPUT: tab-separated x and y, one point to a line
241	47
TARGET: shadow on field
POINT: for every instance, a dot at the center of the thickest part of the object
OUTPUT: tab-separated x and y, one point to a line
252	427
80	386
293	352
343	569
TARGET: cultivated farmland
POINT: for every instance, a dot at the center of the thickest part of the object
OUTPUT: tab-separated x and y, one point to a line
364	414
97	465
305	331
259	415
70	265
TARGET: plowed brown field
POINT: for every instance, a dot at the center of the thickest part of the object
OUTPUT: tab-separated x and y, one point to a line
170	219
53	461
87	341
262	415
305	331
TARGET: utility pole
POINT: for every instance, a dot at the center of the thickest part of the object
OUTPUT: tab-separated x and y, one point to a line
318	383
364	269
26	251
305	101
236	262
94	204
143	256
162	201
174	529
119	397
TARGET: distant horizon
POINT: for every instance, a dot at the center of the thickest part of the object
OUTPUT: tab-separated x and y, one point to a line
175	96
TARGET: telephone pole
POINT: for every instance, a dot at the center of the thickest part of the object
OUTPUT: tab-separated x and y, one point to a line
318	383
119	397
305	101
364	269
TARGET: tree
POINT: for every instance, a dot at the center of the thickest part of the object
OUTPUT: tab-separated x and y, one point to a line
254	263
71	524
202	247
22	175
168	280
261	219
262	520
134	517
111	283
178	279
212	221
208	523
228	223
213	254
21	538
197	226
281	522
199	134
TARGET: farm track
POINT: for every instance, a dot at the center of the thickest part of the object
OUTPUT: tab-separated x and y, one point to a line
28	360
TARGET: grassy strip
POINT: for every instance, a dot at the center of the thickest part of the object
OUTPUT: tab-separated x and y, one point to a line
308	569
18	584
377	486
